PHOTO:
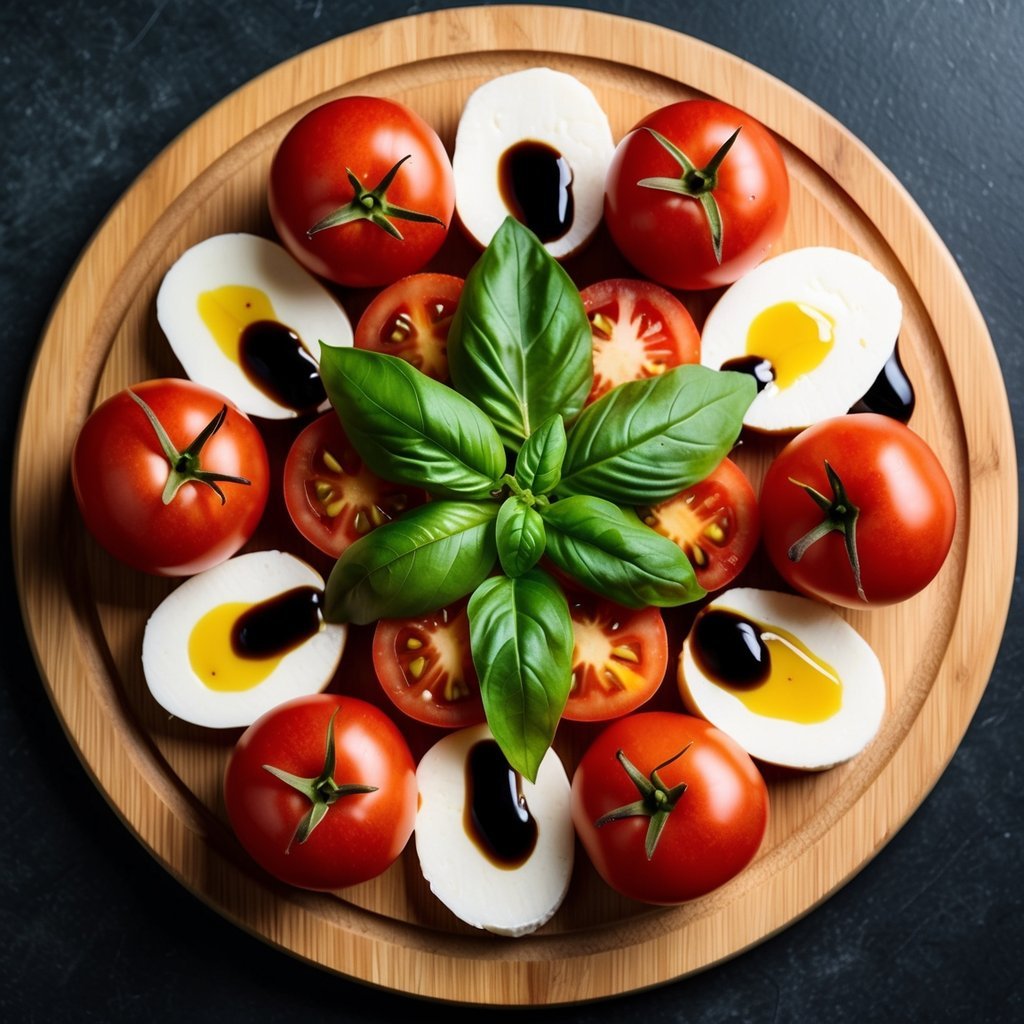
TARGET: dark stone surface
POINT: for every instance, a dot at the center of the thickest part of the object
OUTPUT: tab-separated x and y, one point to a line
91	928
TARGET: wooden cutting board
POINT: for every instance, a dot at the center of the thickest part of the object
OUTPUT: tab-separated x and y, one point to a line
85	615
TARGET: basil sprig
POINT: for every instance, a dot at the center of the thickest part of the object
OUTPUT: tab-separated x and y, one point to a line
520	344
521	360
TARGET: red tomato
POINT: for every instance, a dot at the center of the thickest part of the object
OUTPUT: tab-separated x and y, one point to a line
716	522
380	178
363	831
667	235
639	329
410	318
424	665
619	659
713	828
120	471
896	489
332	498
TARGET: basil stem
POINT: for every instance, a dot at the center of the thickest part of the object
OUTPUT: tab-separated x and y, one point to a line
435	554
539	464
521	636
520	536
520	344
612	553
409	428
646	440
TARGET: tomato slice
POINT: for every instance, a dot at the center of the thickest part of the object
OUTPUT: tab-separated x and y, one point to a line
640	330
410	319
716	522
619	660
424	665
332	498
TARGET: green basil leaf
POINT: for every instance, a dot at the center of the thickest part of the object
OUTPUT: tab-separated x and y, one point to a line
520	344
646	440
410	428
520	633
520	536
539	463
614	554
435	554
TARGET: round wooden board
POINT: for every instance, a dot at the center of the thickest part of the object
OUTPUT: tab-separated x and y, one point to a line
85	614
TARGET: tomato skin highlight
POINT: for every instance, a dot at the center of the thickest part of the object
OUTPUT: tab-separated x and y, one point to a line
716	522
331	497
907	510
640	330
362	834
619	660
308	182
119	470
713	832
665	235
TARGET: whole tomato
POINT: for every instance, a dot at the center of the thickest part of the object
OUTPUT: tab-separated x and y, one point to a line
668	807
696	194
175	504
321	791
361	191
857	510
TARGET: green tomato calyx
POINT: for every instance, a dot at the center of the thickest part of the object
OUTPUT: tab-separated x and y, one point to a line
185	465
321	791
657	801
840	515
695	182
371	204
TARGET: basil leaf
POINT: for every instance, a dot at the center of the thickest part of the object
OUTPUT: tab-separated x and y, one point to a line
409	428
614	554
539	464
520	536
520	633
435	554
520	344
646	440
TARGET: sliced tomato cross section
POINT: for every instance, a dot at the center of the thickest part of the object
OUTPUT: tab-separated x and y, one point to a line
331	497
410	319
716	522
424	665
639	330
619	659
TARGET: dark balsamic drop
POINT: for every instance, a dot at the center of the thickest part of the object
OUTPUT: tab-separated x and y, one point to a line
892	394
277	625
535	183
729	649
496	817
273	358
756	366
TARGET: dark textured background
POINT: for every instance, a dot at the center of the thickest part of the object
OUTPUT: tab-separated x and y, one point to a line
91	928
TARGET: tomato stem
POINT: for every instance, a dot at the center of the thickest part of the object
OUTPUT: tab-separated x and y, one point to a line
695	182
321	790
657	801
840	515
371	204
184	466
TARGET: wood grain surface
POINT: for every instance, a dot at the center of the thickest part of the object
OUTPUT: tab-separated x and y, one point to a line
85	614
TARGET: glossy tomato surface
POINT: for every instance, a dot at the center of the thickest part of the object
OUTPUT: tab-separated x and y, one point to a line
119	471
410	319
906	510
361	834
425	667
665	235
309	181
639	330
619	658
331	497
716	522
711	834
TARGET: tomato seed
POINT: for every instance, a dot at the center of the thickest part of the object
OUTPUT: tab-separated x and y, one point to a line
332	463
416	666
